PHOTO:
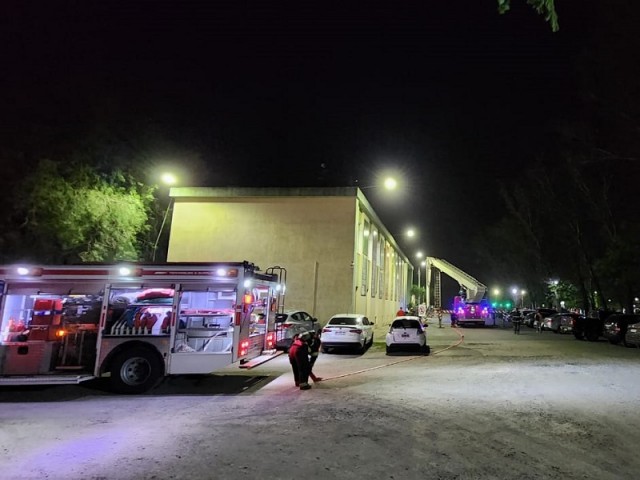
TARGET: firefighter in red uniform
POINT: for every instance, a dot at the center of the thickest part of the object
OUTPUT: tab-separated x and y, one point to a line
314	351
299	359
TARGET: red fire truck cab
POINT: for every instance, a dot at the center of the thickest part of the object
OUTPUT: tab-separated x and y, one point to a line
133	323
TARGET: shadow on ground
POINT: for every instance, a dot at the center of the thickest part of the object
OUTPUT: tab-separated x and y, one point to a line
178	385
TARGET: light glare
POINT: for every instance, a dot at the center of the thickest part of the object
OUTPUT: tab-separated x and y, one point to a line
390	183
169	178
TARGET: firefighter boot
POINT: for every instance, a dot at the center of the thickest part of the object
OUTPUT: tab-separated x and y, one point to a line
305	386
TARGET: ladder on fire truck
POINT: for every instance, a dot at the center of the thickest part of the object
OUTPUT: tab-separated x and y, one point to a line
437	289
436	266
281	273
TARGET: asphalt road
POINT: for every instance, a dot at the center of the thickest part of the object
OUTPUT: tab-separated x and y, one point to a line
486	404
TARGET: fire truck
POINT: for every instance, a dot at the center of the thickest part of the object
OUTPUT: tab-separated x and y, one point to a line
471	312
470	307
133	323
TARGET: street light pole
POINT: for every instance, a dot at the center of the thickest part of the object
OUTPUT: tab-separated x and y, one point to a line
168	179
164	220
419	256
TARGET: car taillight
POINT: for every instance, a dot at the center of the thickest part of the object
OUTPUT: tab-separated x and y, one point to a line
326	330
356	330
287	325
244	348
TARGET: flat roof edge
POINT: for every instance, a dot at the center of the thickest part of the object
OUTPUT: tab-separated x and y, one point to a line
231	192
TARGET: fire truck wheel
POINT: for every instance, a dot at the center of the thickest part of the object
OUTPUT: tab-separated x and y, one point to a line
135	371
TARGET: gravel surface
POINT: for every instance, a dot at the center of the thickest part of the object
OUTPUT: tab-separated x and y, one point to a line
491	405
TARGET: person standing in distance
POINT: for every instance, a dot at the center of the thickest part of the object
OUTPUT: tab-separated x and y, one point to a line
299	359
517	320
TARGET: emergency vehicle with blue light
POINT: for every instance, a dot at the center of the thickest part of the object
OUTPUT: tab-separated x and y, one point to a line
470	307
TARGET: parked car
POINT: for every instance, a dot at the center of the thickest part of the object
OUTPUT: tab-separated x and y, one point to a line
560	322
591	328
526	317
531	319
616	326
633	334
407	333
290	323
347	330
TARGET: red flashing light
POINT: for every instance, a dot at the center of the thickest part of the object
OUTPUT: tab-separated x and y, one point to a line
244	348
271	338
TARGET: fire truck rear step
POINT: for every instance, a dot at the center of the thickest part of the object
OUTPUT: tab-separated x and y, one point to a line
46	380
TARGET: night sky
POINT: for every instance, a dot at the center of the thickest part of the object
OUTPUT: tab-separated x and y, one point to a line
451	97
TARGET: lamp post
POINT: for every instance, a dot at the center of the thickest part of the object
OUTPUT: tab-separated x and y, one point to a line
522	293
168	179
419	255
422	264
554	284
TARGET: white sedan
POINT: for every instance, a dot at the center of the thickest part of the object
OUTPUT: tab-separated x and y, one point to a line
347	330
407	334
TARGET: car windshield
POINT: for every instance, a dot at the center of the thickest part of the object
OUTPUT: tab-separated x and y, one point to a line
342	321
405	323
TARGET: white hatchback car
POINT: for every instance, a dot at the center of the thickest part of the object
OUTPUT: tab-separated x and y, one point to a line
407	334
347	330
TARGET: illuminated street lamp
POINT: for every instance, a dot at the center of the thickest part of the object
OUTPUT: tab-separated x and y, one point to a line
168	179
514	291
522	293
389	183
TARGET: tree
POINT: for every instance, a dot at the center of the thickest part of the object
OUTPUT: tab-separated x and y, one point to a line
543	7
69	213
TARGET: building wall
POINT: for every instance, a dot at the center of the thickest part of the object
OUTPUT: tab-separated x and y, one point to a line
338	255
382	272
312	237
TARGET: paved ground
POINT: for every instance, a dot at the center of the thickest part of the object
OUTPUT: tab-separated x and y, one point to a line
495	405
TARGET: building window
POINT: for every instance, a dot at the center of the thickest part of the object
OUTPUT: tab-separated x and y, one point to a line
381	255
374	264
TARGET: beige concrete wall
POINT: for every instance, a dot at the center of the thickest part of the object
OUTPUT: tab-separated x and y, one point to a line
312	237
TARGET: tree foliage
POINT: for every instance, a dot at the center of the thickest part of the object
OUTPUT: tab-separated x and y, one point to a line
547	8
569	221
69	213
